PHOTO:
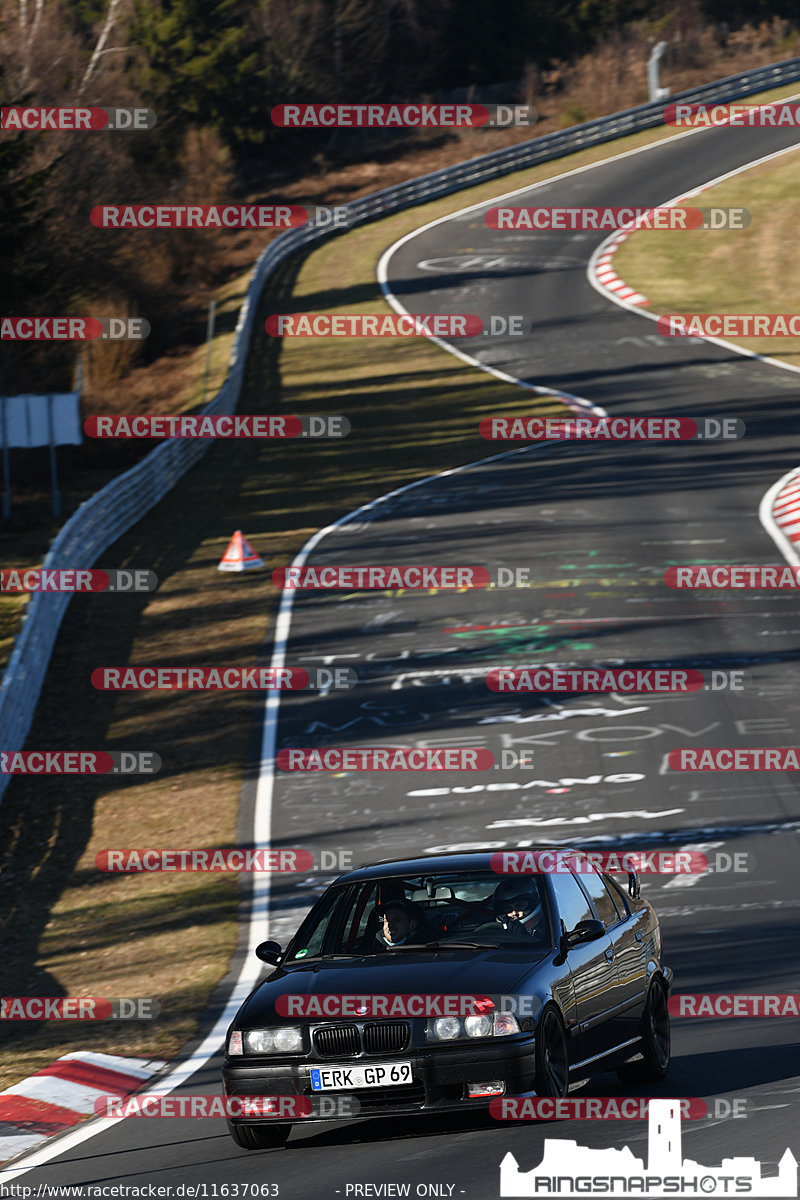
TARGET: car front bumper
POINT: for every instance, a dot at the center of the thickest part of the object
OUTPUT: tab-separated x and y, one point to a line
440	1076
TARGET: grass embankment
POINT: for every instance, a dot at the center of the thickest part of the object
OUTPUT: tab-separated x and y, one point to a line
69	929
750	270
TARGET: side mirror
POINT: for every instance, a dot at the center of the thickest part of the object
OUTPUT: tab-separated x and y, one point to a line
585	931
270	952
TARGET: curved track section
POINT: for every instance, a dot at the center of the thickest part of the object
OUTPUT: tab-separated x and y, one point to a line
596	525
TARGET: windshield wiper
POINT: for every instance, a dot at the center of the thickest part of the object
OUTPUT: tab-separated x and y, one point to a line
446	946
318	957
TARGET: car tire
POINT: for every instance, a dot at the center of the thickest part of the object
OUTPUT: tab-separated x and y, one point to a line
652	1067
260	1137
551	1055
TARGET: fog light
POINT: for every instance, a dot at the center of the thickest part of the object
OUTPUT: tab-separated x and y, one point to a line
495	1087
235	1043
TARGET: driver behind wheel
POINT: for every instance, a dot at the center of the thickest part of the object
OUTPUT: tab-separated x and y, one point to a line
403	921
517	907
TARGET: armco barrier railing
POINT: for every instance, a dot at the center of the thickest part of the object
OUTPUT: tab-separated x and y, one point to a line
125	500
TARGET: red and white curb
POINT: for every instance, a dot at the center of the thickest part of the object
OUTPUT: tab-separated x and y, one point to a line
779	513
608	278
64	1094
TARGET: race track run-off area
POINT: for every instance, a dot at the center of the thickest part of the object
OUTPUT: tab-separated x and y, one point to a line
597	525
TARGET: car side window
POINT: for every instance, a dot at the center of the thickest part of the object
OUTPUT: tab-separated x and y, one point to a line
594	885
618	896
573	905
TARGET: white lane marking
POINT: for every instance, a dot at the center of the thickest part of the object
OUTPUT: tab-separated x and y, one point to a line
391	299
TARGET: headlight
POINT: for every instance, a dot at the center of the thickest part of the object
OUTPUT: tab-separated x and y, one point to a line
286	1039
447	1028
478	1026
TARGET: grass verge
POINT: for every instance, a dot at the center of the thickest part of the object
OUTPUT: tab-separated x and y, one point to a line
728	271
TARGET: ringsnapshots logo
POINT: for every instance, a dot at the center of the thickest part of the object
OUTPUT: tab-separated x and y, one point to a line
611	429
672	217
76	119
567	1169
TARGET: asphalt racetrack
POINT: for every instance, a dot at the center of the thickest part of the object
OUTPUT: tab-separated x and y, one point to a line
597	525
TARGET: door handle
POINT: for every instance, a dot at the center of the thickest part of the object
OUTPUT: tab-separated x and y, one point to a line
609	953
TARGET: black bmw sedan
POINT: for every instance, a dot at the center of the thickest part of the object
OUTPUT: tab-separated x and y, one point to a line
437	984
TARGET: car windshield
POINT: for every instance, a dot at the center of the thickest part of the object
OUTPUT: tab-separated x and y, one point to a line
379	916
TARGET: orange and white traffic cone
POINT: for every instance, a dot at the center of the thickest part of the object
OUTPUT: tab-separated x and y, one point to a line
240	555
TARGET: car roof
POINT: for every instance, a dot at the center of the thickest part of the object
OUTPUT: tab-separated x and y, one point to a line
466	860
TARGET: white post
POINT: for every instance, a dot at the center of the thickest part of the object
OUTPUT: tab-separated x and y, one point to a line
656	92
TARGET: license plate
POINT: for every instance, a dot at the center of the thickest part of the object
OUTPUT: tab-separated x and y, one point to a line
325	1079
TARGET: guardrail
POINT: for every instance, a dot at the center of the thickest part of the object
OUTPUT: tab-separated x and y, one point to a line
121	503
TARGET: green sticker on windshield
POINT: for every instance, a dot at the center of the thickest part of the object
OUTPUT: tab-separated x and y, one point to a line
301	953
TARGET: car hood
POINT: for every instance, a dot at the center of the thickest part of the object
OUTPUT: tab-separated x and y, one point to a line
463	972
